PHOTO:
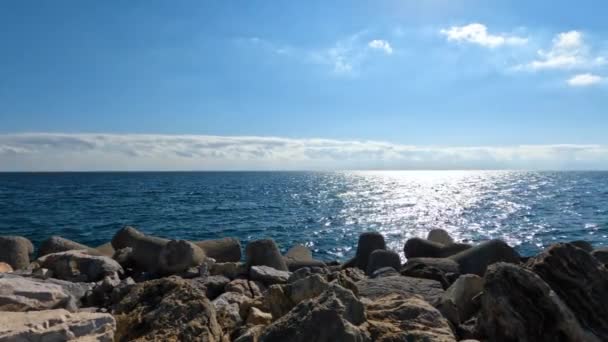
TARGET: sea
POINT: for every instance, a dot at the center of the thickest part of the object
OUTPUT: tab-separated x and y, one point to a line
325	211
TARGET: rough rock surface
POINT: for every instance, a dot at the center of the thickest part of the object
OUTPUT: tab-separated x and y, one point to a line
440	236
15	251
282	298
443	270
375	288
79	266
57	244
475	260
301	256
56	325
258	317
422	248
368	242
580	280
222	250
213	285
333	316
178	256
517	305
265	253
457	303
229	270
382	258
228	310
145	249
24	294
168	309
5	268
268	275
399	318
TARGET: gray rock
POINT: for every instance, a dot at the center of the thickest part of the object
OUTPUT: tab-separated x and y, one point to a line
440	236
475	260
16	251
24	294
231	270
282	298
457	303
79	266
57	244
383	258
584	245
177	256
422	248
268	275
228	308
442	270
56	325
265	253
601	254
222	250
430	290
384	272
213	285
368	242
145	249
299	257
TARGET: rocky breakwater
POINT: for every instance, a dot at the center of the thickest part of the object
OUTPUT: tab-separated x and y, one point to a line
146	288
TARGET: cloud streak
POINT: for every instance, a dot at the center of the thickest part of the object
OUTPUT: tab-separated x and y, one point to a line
477	33
58	152
584	80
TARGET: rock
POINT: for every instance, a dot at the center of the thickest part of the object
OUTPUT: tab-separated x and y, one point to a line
333	316
16	251
24	294
213	285
282	298
78	266
406	318
440	236
56	325
300	256
258	317
442	270
382	258
106	249
517	305
145	249
478	258
268	275
384	272
347	278
76	290
252	334
421	248
231	270
228	308
57	244
457	303
42	273
166	309
251	289
177	256
430	290
265	253
601	254
582	244
580	280
368	242
5	268
222	250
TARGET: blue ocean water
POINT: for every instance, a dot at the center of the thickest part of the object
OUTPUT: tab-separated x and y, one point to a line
324	210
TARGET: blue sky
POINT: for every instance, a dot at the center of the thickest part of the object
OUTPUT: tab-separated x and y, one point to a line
428	75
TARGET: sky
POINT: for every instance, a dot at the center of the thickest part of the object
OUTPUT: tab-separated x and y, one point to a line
257	85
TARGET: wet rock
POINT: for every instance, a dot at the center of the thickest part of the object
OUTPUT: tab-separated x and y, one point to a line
383	258
222	250
400	318
442	270
268	275
478	258
368	242
333	316
258	317
580	280
517	305
145	249
24	294
177	256
78	266
5	268
56	325
430	290
457	303
422	248
16	251
231	270
440	236
166	309
265	253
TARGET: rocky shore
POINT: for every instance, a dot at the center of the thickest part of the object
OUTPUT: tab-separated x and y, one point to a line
145	288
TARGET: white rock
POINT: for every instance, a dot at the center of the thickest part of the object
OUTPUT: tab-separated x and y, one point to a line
23	294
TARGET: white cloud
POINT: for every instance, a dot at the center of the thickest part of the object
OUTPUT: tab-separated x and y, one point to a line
477	33
380	44
583	80
568	51
46	151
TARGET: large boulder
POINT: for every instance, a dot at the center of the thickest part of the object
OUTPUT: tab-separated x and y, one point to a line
228	310
24	294
336	315
145	249
222	250
457	303
582	244
399	318
517	305
580	280
167	309
368	242
77	290
375	288
422	248
475	260
440	236
443	270
57	244
265	253
382	258
179	255
301	256
282	298
78	266
56	325
249	288
268	275
16	251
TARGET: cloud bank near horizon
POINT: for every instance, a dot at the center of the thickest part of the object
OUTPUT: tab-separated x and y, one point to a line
123	152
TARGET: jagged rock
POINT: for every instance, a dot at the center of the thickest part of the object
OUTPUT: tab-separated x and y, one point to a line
57	244
76	290
399	318
301	256
517	305
347	278
601	254
368	242
475	260
24	294
382	258
16	251
258	317
384	272
231	270
213	285
145	248
457	303
268	275
442	270
582	244
580	280
222	250
249	288
440	236
166	309
56	325
375	288
228	308
265	253
333	316
422	248
5	268
252	334
282	298
78	266
177	256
